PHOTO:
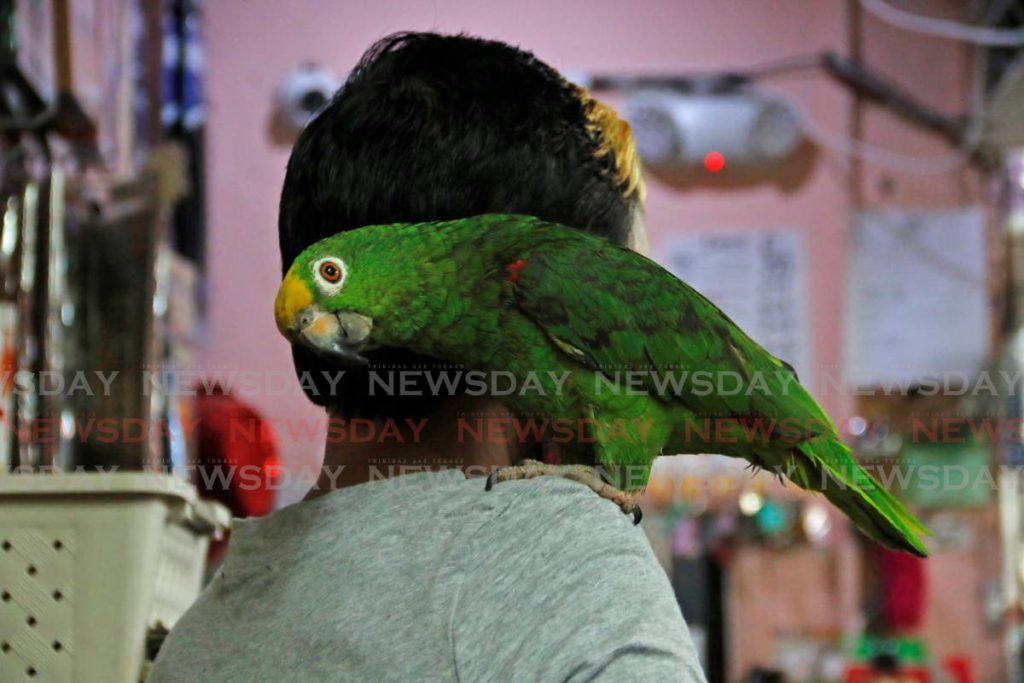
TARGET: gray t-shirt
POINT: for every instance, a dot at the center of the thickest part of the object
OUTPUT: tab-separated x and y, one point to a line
427	577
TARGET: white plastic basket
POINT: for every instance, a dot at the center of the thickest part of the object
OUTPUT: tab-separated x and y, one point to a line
88	564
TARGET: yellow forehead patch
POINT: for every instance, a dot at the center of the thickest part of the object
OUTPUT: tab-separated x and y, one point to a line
615	137
292	297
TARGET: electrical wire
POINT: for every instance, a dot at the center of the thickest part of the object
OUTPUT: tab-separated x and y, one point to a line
887	159
797	62
846	146
944	28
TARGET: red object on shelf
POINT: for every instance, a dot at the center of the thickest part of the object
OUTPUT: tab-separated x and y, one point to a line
236	455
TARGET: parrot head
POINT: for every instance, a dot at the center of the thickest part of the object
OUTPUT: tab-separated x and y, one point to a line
322	305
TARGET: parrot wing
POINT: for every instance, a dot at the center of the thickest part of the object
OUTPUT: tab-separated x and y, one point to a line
632	314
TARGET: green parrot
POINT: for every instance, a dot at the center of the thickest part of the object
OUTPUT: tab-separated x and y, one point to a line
616	343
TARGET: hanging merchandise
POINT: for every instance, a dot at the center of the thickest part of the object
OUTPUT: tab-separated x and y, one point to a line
8	326
27	345
1011	448
9	331
184	116
903	589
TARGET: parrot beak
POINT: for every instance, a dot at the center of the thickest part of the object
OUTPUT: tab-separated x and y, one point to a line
338	336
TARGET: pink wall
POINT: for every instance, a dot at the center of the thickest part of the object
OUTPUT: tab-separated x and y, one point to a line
253	43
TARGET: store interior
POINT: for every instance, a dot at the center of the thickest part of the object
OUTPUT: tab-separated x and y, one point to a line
844	178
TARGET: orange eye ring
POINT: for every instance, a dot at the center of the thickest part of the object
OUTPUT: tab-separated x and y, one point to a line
330	272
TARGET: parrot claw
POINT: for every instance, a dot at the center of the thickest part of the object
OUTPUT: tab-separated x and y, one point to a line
530	469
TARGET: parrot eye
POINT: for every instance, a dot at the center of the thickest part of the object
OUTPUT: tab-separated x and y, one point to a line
330	271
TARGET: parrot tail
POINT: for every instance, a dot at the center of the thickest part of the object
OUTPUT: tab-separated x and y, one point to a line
824	464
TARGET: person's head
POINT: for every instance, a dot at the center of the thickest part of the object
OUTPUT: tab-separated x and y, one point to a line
432	127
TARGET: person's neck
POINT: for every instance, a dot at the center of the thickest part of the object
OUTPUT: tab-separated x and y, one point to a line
390	447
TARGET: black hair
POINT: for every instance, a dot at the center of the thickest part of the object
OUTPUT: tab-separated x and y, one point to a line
434	127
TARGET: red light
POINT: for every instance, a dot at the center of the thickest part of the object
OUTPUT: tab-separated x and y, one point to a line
714	161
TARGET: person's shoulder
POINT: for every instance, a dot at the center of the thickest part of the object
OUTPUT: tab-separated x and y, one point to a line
560	564
557	511
556	495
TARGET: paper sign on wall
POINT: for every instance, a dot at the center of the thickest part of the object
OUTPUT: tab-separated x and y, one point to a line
917	297
758	278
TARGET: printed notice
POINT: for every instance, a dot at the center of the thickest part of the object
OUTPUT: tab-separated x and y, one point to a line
917	297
